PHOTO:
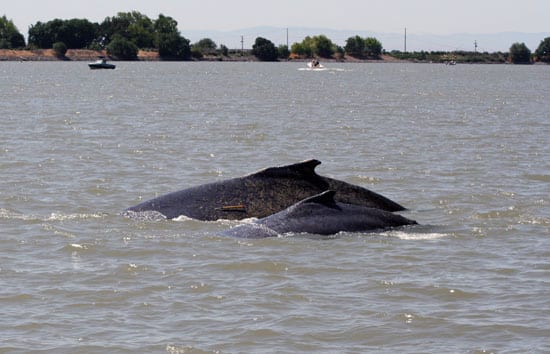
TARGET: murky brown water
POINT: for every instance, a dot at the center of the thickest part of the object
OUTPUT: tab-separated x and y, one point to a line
465	148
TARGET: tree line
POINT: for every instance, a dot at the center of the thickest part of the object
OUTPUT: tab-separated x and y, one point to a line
124	34
121	35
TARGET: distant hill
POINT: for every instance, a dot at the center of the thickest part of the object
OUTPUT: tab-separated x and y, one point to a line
494	42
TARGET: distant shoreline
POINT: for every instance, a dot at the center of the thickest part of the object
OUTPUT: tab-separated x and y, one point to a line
71	55
144	55
91	55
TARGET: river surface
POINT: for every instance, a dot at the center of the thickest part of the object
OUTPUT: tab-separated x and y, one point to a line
465	148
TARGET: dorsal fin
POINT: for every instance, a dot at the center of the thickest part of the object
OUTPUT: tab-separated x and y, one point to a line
305	168
325	198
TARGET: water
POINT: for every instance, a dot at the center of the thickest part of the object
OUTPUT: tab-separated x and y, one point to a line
465	148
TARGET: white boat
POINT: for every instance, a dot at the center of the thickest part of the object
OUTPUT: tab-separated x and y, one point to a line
101	64
314	64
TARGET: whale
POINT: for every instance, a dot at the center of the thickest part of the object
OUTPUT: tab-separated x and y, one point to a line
258	195
320	214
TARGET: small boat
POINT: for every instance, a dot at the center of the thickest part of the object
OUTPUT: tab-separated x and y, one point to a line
314	64
101	64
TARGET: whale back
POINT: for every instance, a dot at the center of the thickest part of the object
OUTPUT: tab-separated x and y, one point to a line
323	215
259	194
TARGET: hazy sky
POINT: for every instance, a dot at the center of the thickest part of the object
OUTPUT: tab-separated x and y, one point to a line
390	16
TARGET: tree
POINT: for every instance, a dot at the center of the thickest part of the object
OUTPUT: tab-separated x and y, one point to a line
122	48
224	50
283	52
134	26
315	46
173	46
75	33
264	50
373	48
520	54
170	44
166	24
368	47
302	49
355	46
205	46
141	30
43	35
324	46
543	51
60	49
10	37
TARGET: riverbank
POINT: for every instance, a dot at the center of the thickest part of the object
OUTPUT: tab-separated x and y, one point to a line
90	55
71	55
149	55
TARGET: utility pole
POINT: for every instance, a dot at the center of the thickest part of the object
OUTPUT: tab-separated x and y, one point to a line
242	46
287	38
405	51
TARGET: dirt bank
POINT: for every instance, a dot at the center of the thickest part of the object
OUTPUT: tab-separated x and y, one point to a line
90	55
72	54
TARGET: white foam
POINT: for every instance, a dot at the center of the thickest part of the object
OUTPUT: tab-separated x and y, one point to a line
414	236
62	217
7	214
149	215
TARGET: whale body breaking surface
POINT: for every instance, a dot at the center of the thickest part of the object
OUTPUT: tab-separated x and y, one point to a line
260	194
322	215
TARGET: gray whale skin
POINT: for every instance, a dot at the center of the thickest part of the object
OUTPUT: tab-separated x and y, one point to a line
260	194
322	215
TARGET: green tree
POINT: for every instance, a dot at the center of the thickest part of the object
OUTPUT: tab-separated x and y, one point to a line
75	33
315	46
264	50
122	48
44	35
142	30
302	49
166	24
363	48
224	50
170	44
133	26
324	46
173	46
373	48
355	46
205	46
543	51
520	54
60	49
283	52
10	37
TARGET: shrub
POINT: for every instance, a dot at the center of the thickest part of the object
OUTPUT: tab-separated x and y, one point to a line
122	48
543	51
60	49
173	46
283	52
264	50
520	54
224	50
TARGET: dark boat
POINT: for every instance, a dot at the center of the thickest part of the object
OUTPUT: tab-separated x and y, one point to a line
101	64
